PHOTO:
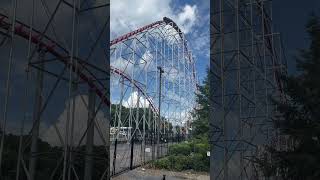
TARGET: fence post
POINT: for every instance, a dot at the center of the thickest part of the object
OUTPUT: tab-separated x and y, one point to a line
153	146
114	156
131	157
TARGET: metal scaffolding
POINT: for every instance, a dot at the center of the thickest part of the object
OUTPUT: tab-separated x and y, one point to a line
61	87
246	63
56	107
137	86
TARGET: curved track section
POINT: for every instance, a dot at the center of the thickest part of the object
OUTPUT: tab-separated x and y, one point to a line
135	56
135	81
49	45
135	59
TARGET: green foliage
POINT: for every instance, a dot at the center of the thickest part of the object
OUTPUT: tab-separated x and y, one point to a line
300	117
201	148
163	163
175	162
46	164
180	149
10	156
192	154
181	162
186	155
200	123
200	162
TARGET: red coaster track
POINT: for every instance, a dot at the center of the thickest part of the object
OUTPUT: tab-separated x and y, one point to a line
54	48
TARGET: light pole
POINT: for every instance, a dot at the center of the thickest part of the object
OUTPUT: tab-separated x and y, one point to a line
159	118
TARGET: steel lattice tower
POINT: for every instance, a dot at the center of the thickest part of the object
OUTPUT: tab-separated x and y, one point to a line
136	58
58	81
57	89
246	62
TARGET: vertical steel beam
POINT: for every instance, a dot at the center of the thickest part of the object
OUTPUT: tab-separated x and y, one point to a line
159	116
120	106
222	70
144	132
8	83
137	118
90	136
36	121
239	68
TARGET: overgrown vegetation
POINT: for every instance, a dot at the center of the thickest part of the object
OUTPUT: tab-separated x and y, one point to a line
299	123
185	156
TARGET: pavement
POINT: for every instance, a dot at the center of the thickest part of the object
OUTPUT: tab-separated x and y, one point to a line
157	174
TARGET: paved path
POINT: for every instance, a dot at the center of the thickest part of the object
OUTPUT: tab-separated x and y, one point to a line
154	174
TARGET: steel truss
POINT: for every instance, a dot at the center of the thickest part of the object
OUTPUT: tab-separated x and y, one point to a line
63	125
135	86
246	63
61	46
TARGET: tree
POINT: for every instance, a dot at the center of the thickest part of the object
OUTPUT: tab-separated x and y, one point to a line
300	115
200	125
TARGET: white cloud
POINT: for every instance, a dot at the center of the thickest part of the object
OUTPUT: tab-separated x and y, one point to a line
123	65
201	38
80	124
146	57
132	101
128	15
174	96
172	74
187	18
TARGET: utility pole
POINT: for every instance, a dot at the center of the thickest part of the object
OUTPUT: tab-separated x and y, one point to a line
159	118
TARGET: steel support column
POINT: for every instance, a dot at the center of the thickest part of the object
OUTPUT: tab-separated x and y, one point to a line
36	121
90	136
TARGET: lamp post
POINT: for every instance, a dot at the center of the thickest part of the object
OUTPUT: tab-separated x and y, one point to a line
159	118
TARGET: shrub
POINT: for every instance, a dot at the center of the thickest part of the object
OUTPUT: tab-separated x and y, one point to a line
181	163
186	155
201	148
172	161
180	149
162	163
199	162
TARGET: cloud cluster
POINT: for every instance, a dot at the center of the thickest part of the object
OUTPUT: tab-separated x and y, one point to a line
133	99
51	135
193	19
128	15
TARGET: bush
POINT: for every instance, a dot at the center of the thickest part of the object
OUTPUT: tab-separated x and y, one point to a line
201	148
180	149
163	163
200	162
174	162
186	155
182	163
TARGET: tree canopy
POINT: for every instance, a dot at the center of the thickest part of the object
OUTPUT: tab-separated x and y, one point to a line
200	125
299	121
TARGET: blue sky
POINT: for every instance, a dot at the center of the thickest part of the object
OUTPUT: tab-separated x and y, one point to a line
290	18
192	16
